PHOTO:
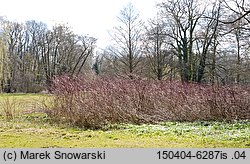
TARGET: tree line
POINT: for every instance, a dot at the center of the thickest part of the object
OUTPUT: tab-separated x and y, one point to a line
31	54
187	40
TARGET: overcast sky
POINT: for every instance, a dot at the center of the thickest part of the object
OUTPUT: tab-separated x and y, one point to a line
93	17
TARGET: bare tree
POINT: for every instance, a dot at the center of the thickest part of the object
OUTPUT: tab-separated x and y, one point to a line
83	50
239	7
182	17
127	40
157	50
4	58
236	29
207	41
65	52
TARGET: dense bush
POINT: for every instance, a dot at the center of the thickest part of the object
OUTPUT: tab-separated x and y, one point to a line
95	101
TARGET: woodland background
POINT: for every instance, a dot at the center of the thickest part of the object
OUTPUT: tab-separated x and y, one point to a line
188	40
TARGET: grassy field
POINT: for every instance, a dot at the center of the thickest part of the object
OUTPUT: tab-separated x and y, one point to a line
27	128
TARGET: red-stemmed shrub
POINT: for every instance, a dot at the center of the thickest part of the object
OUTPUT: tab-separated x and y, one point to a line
96	101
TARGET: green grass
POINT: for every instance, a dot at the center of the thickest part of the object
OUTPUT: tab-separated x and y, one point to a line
37	130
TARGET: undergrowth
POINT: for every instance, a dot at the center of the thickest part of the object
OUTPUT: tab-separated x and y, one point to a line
93	102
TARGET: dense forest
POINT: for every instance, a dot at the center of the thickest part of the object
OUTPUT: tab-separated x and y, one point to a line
188	40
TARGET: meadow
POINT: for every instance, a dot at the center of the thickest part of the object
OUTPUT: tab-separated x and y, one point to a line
25	122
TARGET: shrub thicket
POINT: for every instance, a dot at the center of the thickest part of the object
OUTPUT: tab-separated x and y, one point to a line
94	102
